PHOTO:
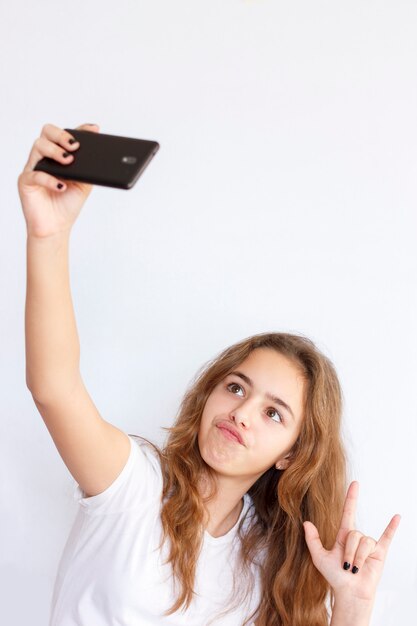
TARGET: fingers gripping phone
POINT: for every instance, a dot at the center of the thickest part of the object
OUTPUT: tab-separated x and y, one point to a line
107	160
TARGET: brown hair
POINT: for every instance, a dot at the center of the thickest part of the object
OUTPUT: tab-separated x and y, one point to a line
313	487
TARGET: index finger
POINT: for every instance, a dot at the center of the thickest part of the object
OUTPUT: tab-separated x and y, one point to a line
63	137
53	134
58	135
349	509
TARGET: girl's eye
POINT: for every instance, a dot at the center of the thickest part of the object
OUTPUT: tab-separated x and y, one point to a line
275	411
233	385
270	409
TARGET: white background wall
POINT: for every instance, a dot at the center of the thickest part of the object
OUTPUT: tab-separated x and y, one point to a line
283	198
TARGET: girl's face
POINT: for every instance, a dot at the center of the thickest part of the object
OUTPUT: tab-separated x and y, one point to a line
267	428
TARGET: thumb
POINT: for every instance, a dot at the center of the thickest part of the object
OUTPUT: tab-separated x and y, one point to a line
95	128
313	540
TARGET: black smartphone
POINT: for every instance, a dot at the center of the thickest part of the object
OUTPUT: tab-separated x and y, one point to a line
107	160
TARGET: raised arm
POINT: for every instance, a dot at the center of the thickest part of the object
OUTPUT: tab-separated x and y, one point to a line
94	451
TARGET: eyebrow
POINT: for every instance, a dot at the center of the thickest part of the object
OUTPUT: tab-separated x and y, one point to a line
268	395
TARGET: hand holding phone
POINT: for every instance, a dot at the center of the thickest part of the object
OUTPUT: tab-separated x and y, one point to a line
108	160
51	205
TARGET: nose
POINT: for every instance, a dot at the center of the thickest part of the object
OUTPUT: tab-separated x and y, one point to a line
242	414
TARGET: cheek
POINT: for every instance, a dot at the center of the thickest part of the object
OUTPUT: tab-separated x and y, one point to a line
215	404
270	437
209	412
214	408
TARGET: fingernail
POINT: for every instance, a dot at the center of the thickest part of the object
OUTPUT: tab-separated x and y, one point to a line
71	141
346	565
355	569
60	185
65	154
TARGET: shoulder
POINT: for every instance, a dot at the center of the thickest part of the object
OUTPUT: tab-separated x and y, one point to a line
148	449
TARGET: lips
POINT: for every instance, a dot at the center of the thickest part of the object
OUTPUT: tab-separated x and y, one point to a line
231	429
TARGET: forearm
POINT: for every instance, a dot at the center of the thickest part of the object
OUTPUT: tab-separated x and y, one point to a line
349	613
52	344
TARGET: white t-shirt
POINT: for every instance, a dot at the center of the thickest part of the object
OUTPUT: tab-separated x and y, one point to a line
112	574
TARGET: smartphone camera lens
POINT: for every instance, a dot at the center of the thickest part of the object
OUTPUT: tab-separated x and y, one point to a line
129	159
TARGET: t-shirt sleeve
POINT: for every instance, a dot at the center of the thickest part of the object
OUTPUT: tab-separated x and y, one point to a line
139	483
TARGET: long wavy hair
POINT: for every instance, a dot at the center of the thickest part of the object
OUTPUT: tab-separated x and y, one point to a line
313	487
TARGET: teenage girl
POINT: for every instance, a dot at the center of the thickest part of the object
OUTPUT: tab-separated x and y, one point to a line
245	515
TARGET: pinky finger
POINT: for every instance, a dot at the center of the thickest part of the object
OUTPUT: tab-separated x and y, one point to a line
386	538
31	180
